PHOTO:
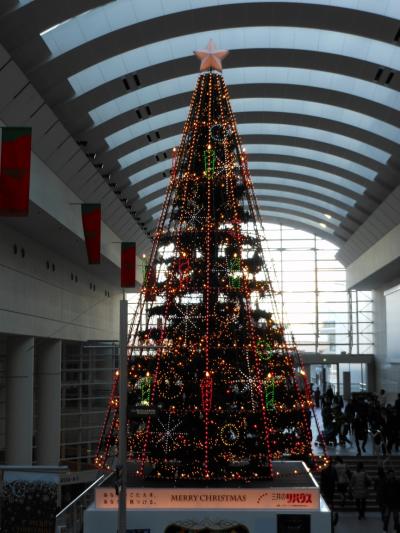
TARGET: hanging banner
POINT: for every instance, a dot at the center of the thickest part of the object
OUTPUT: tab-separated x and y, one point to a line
29	502
15	170
128	264
91	221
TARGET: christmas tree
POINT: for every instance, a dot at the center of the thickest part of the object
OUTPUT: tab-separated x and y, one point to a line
215	390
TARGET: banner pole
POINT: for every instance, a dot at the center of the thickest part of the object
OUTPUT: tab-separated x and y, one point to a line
123	393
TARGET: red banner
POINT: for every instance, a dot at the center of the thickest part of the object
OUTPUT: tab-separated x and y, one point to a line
91	221
15	171
128	264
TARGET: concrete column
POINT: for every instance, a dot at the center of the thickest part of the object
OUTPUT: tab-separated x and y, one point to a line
371	381
346	386
19	408
48	357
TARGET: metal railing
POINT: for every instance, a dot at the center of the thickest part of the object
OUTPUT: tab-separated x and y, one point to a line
70	519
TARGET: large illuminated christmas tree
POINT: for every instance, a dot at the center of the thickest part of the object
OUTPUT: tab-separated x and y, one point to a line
215	390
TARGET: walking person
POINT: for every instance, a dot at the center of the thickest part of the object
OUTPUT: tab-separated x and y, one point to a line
380	488
342	479
317	397
327	485
360	481
360	430
392	501
377	441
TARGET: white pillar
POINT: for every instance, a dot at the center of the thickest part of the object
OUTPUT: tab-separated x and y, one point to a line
48	357
19	410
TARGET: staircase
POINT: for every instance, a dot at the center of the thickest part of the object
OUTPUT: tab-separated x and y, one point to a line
371	468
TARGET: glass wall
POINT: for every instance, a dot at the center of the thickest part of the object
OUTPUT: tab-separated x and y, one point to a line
86	376
310	290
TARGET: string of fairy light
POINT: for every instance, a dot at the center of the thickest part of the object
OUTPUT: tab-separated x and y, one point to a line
243	384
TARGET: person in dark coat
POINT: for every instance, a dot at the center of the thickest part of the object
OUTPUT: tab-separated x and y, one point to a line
360	481
342	479
360	430
327	484
392	501
379	486
317	397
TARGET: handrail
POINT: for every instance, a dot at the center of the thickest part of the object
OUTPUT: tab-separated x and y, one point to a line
97	482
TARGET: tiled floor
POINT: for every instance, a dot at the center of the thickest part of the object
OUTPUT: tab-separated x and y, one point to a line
349	450
349	523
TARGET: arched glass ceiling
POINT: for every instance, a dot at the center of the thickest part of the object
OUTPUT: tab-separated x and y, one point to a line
273	149
264	204
270	75
285	130
164	166
285	105
313	209
261	182
275	198
306	171
117	15
266	215
314	155
283	37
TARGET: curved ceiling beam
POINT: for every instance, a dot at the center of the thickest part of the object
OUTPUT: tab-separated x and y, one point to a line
305	207
278	166
275	80
328	225
255	133
37	16
363	34
281	180
298	194
298	222
293	98
285	118
346	150
122	14
345	171
146	156
267	59
303	225
289	196
316	110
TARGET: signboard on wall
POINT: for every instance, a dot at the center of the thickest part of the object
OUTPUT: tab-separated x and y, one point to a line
208	498
29	502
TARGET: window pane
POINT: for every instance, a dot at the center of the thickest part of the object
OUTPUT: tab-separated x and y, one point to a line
338	296
295	255
299	276
298	255
332	307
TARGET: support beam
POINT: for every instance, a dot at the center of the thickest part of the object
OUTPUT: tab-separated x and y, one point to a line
48	355
19	421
